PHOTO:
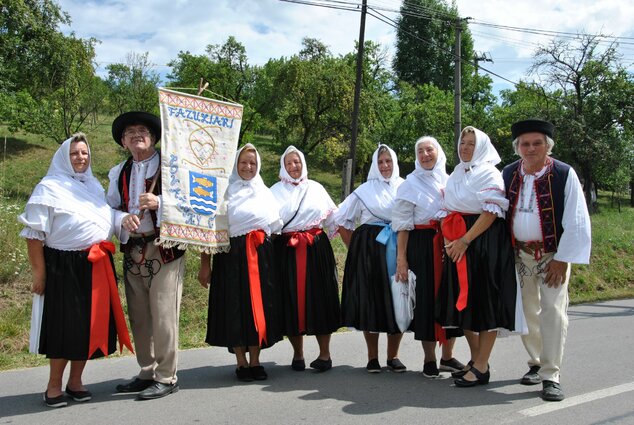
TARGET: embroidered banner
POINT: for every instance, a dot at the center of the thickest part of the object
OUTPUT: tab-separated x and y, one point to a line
198	145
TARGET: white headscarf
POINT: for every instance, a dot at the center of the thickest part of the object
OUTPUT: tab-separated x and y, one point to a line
80	193
284	176
483	153
477	186
375	173
250	204
377	193
304	203
422	186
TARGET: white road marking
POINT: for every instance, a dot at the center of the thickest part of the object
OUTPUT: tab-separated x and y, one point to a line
549	407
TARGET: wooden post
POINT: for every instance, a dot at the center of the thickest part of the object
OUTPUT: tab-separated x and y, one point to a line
346	182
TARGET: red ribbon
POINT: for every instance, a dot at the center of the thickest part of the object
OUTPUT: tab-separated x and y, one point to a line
254	240
437	243
299	241
105	296
453	228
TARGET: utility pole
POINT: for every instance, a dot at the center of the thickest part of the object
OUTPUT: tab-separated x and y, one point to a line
357	94
457	87
481	57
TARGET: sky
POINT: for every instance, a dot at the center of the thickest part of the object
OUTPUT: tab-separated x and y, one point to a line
272	28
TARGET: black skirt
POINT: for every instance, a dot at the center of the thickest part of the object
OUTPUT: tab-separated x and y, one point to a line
366	300
420	258
492	286
322	311
65	331
230	320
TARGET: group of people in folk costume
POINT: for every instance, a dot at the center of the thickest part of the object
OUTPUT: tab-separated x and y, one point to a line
490	252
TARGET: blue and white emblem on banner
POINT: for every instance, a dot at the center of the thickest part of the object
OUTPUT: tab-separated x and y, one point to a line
203	193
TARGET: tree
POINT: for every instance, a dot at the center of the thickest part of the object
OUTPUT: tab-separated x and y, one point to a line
28	35
48	81
425	40
592	89
226	69
133	86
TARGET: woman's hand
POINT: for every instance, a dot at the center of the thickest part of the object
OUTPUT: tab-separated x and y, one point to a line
39	282
130	222
456	249
402	268
204	274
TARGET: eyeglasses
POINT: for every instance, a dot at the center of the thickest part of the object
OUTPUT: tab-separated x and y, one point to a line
141	132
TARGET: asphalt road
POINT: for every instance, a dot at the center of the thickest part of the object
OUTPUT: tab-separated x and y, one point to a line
598	379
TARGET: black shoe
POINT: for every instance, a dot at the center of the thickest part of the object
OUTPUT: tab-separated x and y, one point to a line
531	377
373	366
552	391
298	365
258	373
79	396
244	374
396	365
158	390
481	379
451	365
59	401
134	386
321	365
430	370
463	372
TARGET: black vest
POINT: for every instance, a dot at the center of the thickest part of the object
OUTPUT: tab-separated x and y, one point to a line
550	190
123	185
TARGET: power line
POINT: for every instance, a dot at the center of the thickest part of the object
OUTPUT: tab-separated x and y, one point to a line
394	24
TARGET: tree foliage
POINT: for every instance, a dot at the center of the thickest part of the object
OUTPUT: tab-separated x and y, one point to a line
132	86
592	88
425	43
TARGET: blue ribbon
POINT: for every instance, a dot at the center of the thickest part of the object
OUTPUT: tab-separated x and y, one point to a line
387	237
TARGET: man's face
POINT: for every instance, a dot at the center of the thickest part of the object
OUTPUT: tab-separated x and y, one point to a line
138	139
533	149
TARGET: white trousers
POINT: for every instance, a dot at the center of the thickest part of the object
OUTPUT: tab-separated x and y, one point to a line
546	312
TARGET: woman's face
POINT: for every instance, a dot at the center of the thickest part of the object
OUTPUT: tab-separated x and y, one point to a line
79	156
427	155
385	164
247	165
467	146
293	165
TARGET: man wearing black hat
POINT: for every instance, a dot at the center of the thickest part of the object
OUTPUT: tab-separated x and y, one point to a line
550	224
153	275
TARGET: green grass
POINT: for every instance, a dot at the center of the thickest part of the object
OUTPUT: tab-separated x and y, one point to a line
25	160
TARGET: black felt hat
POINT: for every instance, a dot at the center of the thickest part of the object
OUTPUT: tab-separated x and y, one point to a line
151	121
532	125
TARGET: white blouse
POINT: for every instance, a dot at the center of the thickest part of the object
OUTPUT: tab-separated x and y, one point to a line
305	206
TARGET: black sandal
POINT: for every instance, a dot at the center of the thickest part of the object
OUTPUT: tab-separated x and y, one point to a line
463	372
481	378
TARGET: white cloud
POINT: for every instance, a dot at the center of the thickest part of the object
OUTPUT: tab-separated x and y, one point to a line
271	29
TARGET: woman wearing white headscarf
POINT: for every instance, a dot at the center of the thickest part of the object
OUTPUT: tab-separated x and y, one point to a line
244	311
307	268
68	226
366	301
478	288
415	217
